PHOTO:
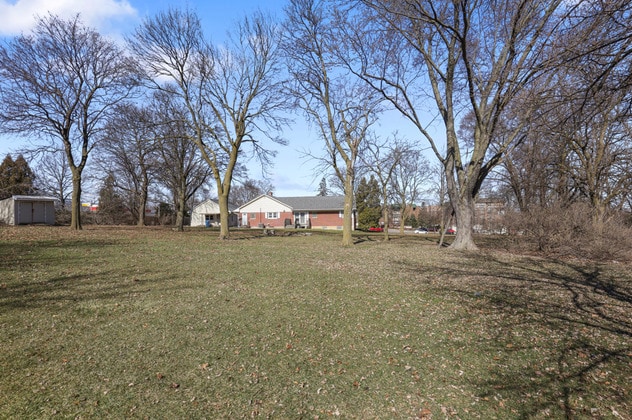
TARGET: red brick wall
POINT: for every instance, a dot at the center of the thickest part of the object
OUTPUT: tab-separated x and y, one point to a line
260	218
331	220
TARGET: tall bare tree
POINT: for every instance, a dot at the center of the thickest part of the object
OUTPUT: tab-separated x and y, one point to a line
61	83
577	145
338	104
593	110
459	56
179	167
129	149
230	92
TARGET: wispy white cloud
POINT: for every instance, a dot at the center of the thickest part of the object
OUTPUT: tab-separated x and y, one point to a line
17	16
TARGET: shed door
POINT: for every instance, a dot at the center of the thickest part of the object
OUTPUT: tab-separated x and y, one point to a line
39	212
25	213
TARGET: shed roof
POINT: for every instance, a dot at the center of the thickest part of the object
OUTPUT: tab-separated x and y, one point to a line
32	198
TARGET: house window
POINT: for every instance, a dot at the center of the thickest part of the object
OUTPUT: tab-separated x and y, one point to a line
272	215
341	214
314	215
253	216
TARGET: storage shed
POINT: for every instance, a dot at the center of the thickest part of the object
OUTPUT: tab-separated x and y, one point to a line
27	209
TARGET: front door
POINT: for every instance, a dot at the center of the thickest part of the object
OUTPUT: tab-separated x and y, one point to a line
301	217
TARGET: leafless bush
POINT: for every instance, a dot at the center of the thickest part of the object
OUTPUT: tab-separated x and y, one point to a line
62	216
571	231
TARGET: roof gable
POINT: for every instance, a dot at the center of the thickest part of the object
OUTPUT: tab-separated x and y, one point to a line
264	201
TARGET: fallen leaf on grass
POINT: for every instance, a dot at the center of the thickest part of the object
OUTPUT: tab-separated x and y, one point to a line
425	414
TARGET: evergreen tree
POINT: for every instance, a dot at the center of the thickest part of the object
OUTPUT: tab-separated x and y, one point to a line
16	177
322	188
412	221
111	204
368	203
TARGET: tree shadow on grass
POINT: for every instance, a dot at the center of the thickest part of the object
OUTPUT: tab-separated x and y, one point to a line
32	284
559	333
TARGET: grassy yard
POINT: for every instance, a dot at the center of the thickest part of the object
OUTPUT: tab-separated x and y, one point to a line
150	323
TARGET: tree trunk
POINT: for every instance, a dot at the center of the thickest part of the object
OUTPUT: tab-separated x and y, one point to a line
403	208
464	213
143	203
224	231
75	218
385	215
181	210
347	222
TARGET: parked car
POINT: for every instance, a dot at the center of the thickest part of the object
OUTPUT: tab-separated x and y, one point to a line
376	229
421	230
450	232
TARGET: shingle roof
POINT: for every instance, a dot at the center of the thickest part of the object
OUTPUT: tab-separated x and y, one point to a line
322	203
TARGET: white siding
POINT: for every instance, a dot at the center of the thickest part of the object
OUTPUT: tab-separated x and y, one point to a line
20	210
7	211
205	207
264	204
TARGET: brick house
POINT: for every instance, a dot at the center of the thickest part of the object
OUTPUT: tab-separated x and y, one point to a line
306	212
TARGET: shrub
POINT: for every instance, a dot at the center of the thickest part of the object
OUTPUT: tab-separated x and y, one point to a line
571	231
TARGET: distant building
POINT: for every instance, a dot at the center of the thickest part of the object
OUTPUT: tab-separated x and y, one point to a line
489	214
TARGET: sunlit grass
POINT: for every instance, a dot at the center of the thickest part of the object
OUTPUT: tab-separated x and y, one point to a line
117	323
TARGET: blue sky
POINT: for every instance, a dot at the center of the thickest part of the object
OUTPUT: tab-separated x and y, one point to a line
292	174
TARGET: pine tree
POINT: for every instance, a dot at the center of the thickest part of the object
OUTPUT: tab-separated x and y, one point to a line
412	221
111	205
322	188
368	203
16	177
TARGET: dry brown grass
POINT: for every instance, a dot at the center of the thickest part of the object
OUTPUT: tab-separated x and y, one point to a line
126	322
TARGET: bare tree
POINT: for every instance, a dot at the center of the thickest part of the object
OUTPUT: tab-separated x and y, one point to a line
463	56
249	190
54	176
230	92
179	168
577	145
60	84
408	180
594	104
339	105
383	158
129	150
